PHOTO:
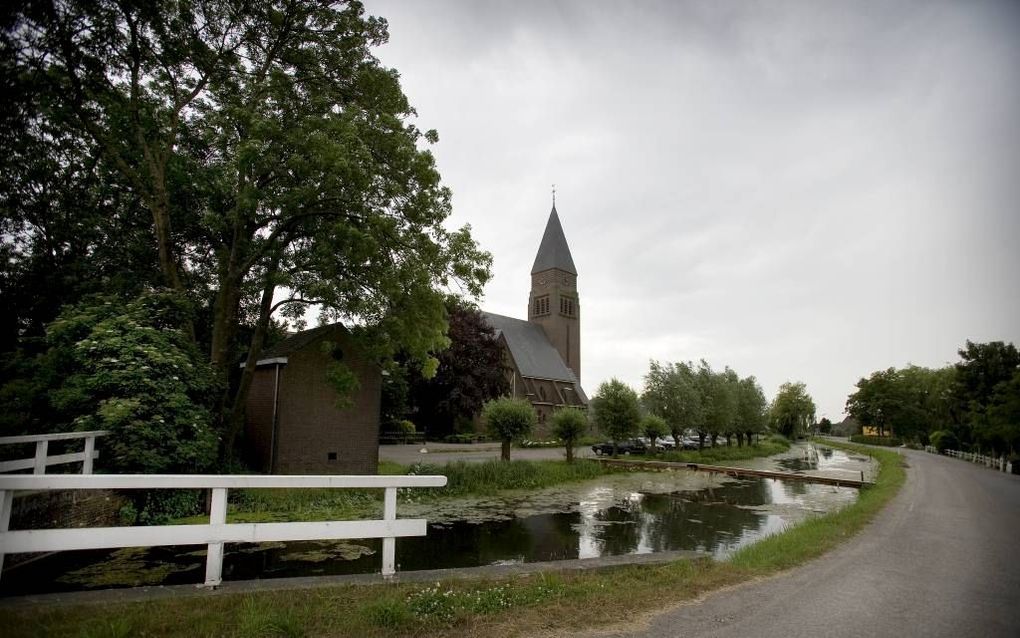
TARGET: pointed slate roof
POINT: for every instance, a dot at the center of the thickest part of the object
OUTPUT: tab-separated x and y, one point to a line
534	355
553	252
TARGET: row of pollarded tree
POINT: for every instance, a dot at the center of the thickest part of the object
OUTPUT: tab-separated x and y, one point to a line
711	404
679	399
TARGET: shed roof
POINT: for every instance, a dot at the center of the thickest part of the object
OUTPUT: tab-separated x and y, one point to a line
298	341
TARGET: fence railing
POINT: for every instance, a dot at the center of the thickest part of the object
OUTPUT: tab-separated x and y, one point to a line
996	463
41	460
218	531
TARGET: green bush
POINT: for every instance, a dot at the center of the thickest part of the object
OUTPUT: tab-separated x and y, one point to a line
508	420
465	438
654	428
887	441
132	370
944	440
406	427
569	424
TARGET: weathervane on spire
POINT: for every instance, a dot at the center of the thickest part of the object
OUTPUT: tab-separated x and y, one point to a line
554	195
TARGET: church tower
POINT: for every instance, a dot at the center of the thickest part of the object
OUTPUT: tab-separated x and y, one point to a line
553	303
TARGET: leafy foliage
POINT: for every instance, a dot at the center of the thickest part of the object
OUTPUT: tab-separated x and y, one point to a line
249	149
908	403
988	395
671	392
792	411
132	370
509	419
470	372
616	411
654	428
704	401
568	425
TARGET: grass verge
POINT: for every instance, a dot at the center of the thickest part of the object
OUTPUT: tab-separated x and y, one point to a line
519	606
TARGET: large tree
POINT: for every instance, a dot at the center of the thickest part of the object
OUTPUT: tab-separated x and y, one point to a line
470	372
910	402
793	410
671	392
616	411
273	156
752	408
986	394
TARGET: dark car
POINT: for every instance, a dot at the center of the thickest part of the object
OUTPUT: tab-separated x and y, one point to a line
630	446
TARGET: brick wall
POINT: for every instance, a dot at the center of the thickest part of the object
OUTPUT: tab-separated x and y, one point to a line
312	429
259	419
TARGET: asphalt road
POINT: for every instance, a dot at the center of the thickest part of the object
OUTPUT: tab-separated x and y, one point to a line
943	559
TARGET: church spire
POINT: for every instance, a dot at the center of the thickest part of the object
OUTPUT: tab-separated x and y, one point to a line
553	252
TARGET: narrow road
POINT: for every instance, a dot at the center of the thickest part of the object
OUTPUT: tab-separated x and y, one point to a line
943	559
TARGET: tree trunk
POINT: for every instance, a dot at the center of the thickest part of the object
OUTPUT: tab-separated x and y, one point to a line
505	451
235	418
570	451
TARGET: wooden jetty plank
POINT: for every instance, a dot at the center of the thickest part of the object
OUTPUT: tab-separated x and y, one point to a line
736	472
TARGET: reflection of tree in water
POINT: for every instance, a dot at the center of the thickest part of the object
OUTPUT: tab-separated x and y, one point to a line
464	544
620	527
697	520
794	489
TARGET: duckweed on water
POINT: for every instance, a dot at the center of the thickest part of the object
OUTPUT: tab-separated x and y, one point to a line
125	566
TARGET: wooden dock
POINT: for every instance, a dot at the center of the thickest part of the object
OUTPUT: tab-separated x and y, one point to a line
736	472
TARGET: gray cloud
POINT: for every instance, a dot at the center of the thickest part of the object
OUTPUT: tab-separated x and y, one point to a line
800	190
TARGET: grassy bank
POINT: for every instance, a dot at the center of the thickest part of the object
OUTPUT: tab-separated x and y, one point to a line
520	606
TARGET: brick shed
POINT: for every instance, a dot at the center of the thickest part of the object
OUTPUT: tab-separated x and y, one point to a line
293	424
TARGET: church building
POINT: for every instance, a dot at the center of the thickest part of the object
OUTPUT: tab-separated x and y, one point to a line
543	354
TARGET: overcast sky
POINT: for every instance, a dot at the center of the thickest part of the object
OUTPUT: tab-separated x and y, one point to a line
802	191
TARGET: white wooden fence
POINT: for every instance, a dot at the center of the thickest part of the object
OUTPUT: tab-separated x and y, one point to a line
996	463
218	531
41	460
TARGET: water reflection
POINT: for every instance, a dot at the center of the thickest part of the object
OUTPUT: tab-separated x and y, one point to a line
716	520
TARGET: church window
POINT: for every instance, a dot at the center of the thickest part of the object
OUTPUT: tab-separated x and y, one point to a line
542	305
568	306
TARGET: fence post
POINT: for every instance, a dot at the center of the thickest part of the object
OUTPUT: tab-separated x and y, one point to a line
6	503
214	556
389	544
90	448
40	457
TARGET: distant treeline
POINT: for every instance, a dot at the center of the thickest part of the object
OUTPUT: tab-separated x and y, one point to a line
974	404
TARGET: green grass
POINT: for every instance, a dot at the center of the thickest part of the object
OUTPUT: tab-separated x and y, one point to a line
490	477
522	606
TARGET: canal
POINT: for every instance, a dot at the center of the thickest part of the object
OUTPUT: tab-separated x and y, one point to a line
619	514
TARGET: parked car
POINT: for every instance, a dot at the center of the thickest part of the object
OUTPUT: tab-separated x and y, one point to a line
665	443
689	442
630	446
